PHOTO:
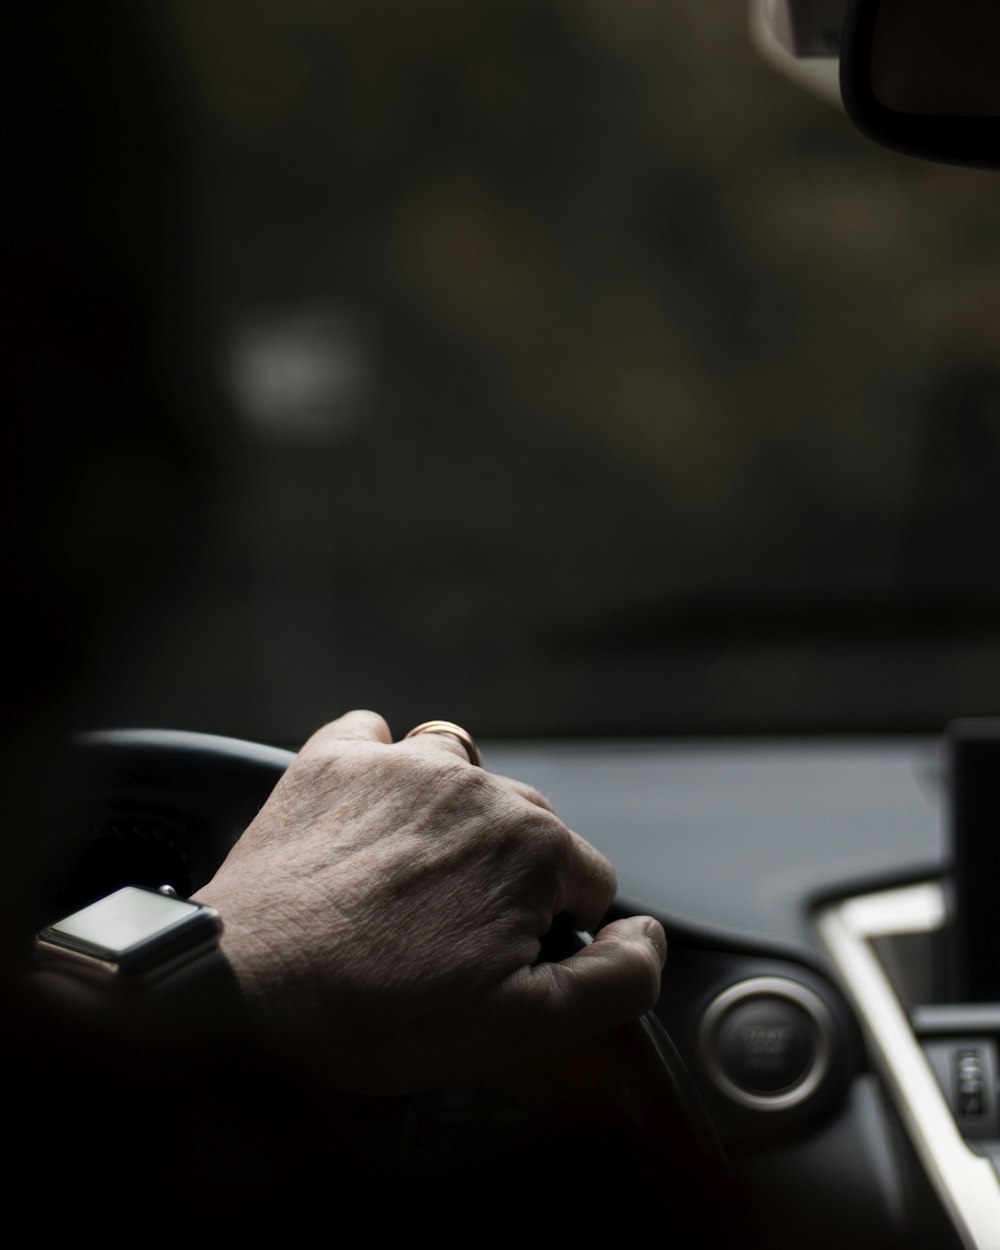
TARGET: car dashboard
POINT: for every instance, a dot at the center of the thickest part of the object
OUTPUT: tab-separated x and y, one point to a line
800	882
809	889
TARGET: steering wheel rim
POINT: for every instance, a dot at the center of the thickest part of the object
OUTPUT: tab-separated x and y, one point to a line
152	806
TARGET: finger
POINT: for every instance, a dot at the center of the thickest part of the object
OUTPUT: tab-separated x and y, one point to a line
613	980
356	726
588	883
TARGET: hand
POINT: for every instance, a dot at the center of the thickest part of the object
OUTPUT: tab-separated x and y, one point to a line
389	900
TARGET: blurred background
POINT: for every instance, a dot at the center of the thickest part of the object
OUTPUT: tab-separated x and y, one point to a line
583	375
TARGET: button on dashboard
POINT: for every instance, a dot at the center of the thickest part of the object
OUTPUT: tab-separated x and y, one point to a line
766	1043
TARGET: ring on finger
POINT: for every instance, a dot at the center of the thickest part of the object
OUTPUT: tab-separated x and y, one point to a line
455	731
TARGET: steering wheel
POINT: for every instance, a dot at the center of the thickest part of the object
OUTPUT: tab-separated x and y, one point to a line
162	806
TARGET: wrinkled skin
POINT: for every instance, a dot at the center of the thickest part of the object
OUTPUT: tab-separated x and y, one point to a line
388	903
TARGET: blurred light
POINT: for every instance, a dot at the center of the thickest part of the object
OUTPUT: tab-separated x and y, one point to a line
299	373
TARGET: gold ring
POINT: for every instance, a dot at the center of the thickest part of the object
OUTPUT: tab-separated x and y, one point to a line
456	731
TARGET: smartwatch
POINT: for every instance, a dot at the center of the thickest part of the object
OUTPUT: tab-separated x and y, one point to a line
141	939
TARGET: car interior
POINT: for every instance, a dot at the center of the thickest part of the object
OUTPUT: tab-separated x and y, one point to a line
587	374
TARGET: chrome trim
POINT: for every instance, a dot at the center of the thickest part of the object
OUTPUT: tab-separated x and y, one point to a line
768	987
966	1182
51	953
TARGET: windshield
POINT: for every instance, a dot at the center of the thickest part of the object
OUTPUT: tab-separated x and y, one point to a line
586	377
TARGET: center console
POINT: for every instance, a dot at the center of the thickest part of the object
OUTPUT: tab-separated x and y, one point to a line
921	965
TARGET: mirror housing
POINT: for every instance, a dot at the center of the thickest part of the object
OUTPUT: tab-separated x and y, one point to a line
923	77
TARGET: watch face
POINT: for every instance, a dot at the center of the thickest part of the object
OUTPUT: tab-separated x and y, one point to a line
134	929
124	919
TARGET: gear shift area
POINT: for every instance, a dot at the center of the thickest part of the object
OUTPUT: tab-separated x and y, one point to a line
921	964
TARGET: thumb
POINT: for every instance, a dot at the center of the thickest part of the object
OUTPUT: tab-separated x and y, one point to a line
611	981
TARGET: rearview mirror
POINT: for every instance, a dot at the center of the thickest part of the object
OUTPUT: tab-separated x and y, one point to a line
923	76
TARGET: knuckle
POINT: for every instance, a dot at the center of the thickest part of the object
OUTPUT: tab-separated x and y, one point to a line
542	836
536	798
450	773
602	873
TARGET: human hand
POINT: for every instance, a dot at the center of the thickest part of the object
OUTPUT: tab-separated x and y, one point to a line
389	900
